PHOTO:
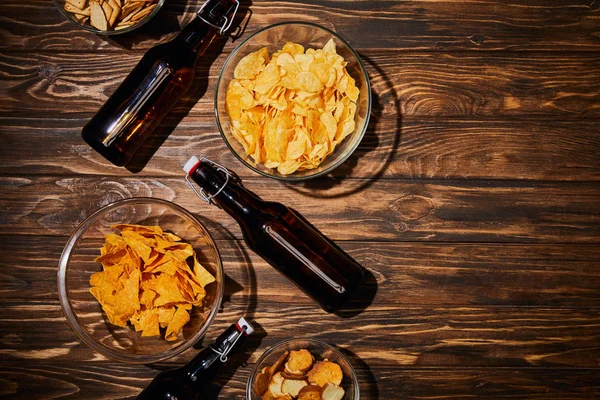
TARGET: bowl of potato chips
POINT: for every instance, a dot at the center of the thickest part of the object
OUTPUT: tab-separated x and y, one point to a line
293	101
303	369
109	17
140	280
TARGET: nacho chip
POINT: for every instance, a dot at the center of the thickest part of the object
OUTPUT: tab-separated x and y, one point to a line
180	318
150	279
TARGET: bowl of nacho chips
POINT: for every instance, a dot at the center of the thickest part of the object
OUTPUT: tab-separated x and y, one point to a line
293	101
109	17
302	369
140	280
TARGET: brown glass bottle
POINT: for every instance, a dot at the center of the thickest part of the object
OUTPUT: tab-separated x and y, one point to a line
186	383
151	90
282	237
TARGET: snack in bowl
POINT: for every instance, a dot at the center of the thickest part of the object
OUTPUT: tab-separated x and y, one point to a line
106	15
146	280
290	110
296	375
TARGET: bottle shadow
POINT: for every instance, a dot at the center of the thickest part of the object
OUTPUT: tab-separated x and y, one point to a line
362	298
231	287
239	360
198	89
368	383
248	287
382	104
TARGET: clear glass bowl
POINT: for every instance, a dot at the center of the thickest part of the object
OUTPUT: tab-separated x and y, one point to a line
310	36
60	4
320	350
85	314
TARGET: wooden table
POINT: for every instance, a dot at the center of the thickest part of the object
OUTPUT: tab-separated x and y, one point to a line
473	200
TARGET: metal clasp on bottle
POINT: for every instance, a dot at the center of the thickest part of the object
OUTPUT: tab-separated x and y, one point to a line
223	354
200	191
227	22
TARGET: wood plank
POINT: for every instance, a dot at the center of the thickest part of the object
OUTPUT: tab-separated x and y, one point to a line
466	211
392	335
111	381
407	25
414	85
416	274
430	149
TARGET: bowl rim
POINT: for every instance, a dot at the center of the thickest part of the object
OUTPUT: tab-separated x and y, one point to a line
278	345
291	177
111	32
67	309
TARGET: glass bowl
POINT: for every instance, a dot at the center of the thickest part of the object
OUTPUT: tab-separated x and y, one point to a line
310	36
84	312
60	4
320	350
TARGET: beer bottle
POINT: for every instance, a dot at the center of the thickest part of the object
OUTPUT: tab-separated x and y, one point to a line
151	90
186	383
281	236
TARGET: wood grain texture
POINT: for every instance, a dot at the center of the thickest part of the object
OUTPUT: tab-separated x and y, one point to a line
412	274
473	201
492	336
52	381
430	149
409	86
400	210
404	25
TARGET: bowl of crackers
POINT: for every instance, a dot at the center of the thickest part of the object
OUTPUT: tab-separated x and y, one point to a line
302	369
109	17
140	280
293	101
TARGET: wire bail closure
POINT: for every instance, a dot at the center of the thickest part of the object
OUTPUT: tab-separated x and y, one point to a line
223	354
226	21
200	191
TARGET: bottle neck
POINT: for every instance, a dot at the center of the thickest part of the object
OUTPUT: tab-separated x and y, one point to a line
197	36
201	31
230	195
206	365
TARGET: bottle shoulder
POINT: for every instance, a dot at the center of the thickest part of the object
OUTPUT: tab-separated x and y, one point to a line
173	53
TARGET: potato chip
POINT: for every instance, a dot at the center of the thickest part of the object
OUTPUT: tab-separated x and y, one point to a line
249	66
290	110
147	280
267	79
293	48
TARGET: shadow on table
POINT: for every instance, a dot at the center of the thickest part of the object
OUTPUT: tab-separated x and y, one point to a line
362	298
236	361
231	287
240	254
212	390
318	187
366	379
192	96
